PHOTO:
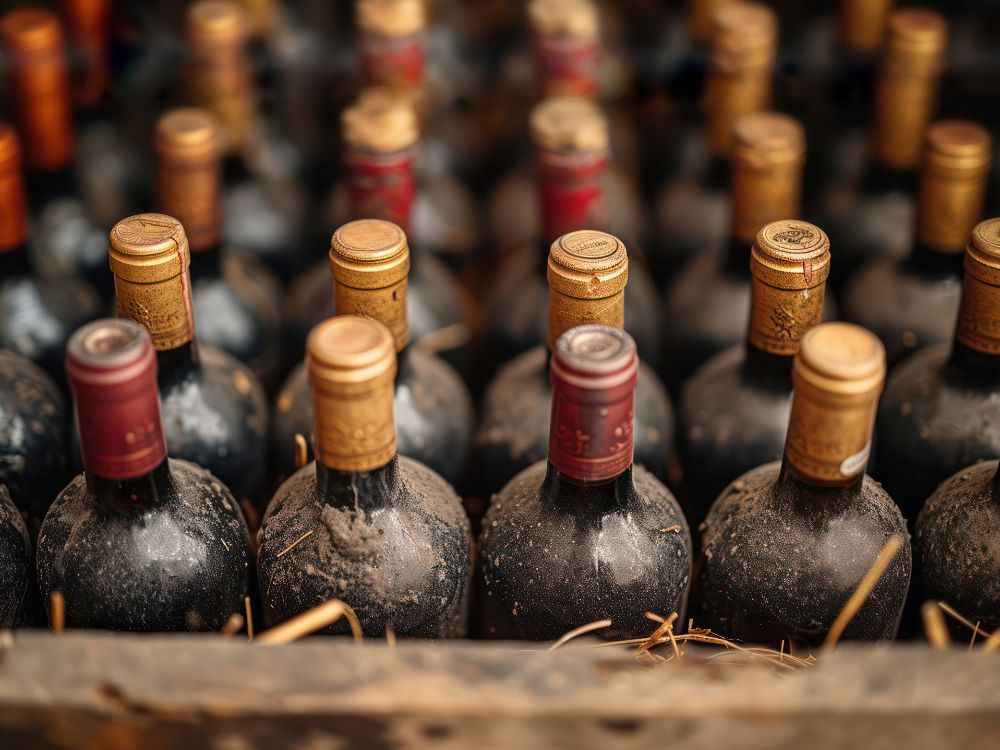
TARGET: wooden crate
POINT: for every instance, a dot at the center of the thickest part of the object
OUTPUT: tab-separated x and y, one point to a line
95	690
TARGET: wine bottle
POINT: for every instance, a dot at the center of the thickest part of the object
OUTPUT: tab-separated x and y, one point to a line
380	531
733	411
582	536
381	136
234	297
940	404
67	243
370	261
786	545
266	209
708	302
587	272
214	408
15	562
874	219
139	541
574	188
955	544
690	209
913	302
37	315
33	430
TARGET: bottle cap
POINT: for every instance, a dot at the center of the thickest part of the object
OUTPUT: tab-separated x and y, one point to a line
587	273
744	35
979	315
569	124
862	23
380	122
767	152
789	261
214	24
700	14
352	364
188	134
149	257
370	262
39	87
593	373
392	18
569	19
13	203
837	377
917	37
956	163
111	370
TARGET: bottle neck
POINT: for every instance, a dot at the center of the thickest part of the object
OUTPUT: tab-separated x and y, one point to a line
358	490
571	191
149	489
206	263
882	178
46	186
764	366
396	62
173	363
974	363
736	257
935	262
15	261
567	66
789	476
564	490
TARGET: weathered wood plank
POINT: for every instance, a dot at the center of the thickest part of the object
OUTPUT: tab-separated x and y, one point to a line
100	690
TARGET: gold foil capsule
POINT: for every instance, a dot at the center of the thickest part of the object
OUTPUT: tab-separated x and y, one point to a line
391	18
13	203
569	124
862	23
979	315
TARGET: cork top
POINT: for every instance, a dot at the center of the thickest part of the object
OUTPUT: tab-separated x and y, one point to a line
188	133
147	248
10	149
393	18
596	357
841	359
369	254
958	146
216	22
982	253
588	264
569	124
763	139
744	35
380	122
791	254
32	31
350	350
108	352
916	34
570	19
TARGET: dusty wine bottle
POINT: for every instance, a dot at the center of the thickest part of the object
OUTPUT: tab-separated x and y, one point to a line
587	274
786	544
234	297
15	562
913	303
215	410
708	302
370	261
381	532
940	412
139	541
733	412
547	562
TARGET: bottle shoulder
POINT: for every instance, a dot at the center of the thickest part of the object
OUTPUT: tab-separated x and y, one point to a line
219	379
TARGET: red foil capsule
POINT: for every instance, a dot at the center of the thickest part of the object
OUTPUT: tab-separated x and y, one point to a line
567	65
593	375
111	369
572	192
397	62
383	186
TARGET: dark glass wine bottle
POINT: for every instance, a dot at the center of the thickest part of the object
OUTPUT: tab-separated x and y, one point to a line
708	302
690	209
912	303
139	541
786	544
266	209
733	412
33	429
875	218
214	408
37	315
574	188
15	562
956	544
67	243
584	536
381	136
235	298
587	272
370	261
382	532
941	411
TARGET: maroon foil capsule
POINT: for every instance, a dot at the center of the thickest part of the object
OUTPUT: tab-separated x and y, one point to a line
567	65
397	62
111	369
572	193
593	383
383	186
